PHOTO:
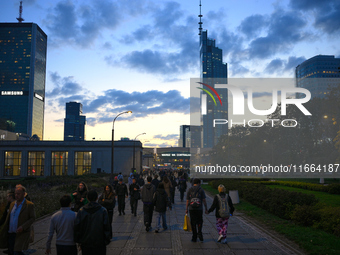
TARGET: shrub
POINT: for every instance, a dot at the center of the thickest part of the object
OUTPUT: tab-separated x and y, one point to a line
305	215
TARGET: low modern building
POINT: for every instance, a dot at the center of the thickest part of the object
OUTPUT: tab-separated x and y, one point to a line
48	158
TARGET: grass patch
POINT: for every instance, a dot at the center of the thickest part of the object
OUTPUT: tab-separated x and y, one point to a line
328	199
313	241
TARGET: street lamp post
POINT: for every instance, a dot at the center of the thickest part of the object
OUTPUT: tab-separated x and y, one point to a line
134	149
113	135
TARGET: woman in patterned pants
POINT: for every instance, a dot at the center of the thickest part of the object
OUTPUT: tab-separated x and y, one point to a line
221	222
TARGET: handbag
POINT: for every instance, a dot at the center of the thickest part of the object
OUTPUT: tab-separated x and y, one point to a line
187	224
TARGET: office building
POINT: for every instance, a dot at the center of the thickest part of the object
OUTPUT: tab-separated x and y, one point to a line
22	78
324	69
213	71
74	123
189	136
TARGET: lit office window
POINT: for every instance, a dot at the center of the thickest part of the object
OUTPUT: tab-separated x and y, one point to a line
82	162
36	163
59	163
12	163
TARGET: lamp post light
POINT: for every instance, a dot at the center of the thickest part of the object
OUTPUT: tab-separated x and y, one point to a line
113	135
134	149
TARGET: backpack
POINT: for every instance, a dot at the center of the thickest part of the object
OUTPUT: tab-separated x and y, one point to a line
195	201
148	194
224	210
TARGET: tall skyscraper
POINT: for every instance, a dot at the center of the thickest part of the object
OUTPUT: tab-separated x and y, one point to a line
320	66
23	73
74	123
212	71
189	136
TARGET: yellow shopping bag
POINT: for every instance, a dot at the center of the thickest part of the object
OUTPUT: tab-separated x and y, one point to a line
187	225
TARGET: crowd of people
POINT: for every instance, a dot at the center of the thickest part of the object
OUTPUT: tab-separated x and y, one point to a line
84	221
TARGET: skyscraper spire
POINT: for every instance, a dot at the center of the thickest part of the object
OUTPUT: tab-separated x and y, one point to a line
20	19
200	23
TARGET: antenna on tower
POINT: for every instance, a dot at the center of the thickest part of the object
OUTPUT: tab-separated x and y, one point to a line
20	19
200	23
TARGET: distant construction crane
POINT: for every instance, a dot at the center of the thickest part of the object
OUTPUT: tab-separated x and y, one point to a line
20	19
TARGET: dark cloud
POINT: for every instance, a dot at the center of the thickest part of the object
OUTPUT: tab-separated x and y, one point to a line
293	62
84	24
63	86
284	31
237	69
172	44
275	66
166	137
326	13
253	25
279	66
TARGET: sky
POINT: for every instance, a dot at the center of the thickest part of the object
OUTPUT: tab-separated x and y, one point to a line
139	55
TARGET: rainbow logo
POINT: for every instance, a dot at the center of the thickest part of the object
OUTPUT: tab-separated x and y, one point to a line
208	92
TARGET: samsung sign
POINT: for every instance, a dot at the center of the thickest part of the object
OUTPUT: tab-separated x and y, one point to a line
12	93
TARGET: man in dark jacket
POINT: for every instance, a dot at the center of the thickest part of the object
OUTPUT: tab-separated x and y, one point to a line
195	201
121	192
155	181
161	201
148	191
134	196
92	227
182	186
79	196
10	199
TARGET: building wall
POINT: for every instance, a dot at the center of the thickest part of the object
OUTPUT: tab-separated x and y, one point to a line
22	77
100	155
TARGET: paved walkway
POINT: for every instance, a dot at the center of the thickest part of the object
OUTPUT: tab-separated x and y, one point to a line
130	237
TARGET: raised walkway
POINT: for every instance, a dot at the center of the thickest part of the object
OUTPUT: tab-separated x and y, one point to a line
130	237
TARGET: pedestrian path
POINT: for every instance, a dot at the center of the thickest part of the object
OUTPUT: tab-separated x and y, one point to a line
130	237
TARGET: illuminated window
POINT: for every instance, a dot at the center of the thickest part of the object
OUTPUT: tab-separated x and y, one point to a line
82	162
12	163
36	163
59	163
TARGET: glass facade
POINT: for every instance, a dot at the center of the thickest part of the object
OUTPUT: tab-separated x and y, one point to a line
327	68
12	163
74	123
36	163
82	162
22	78
213	71
59	163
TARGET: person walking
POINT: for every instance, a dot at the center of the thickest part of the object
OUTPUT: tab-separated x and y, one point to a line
18	225
130	179
121	192
92	227
167	185
224	208
195	200
108	201
148	192
161	201
173	188
182	186
79	196
62	222
10	199
134	196
155	181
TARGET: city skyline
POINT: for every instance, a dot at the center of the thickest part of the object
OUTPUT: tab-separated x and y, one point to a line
140	55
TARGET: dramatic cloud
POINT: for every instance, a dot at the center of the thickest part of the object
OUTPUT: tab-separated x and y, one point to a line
166	137
105	107
253	25
279	66
274	66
